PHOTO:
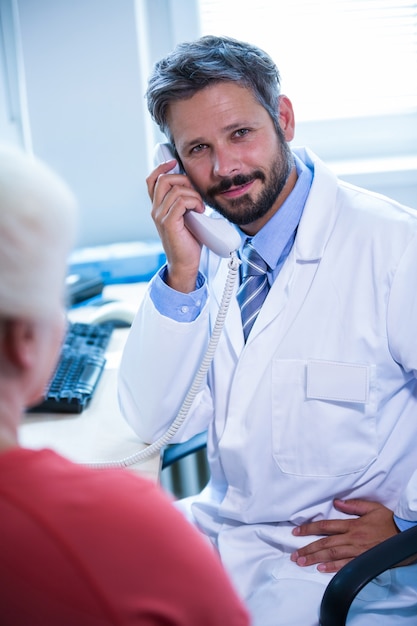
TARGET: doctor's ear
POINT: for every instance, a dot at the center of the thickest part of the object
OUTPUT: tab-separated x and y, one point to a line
286	118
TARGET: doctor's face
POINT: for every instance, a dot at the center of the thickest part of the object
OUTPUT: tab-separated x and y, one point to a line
232	153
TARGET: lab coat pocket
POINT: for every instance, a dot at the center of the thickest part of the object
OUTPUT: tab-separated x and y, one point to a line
323	417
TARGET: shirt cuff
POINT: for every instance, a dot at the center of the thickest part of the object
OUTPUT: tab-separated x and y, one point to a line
403	524
180	307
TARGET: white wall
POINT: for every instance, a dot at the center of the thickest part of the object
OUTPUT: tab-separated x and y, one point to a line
86	109
86	64
378	153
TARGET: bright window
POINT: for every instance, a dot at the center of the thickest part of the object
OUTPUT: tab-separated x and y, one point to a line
337	58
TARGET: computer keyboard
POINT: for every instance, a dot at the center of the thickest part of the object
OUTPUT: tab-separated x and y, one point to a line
79	368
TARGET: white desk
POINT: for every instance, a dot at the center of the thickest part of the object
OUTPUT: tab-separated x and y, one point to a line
99	433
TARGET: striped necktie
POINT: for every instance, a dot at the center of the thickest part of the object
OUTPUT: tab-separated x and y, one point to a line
254	288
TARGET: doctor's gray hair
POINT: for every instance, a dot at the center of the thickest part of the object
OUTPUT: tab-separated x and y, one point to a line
192	66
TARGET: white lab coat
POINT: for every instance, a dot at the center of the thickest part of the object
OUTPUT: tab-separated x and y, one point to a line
320	403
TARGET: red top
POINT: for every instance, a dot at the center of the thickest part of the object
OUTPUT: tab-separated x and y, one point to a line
83	547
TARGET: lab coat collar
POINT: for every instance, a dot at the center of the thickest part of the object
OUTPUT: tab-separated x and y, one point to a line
320	210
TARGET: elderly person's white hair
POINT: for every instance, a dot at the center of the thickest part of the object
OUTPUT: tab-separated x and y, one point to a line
37	231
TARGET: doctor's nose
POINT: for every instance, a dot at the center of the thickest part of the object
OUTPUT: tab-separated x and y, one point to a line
225	164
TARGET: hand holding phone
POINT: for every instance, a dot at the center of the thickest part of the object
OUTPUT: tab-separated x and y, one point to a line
217	234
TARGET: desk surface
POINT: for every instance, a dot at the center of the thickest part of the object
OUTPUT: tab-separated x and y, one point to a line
98	434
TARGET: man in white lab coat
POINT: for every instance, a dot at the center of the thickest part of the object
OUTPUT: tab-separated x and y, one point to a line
312	421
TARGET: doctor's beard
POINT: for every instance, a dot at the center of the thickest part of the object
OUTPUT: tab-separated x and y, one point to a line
245	210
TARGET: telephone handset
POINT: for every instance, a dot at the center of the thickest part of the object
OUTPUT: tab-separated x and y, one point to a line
224	240
217	234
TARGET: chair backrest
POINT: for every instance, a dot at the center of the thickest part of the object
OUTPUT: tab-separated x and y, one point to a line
346	584
174	452
185	469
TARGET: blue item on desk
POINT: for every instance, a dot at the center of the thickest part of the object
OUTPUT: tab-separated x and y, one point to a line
80	366
119	262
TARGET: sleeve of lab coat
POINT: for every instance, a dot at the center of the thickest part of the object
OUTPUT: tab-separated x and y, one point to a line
402	334
402	310
406	508
158	365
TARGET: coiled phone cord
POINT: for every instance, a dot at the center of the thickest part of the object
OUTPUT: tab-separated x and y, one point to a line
199	377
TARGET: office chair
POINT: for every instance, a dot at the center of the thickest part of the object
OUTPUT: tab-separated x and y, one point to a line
177	451
347	583
185	470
